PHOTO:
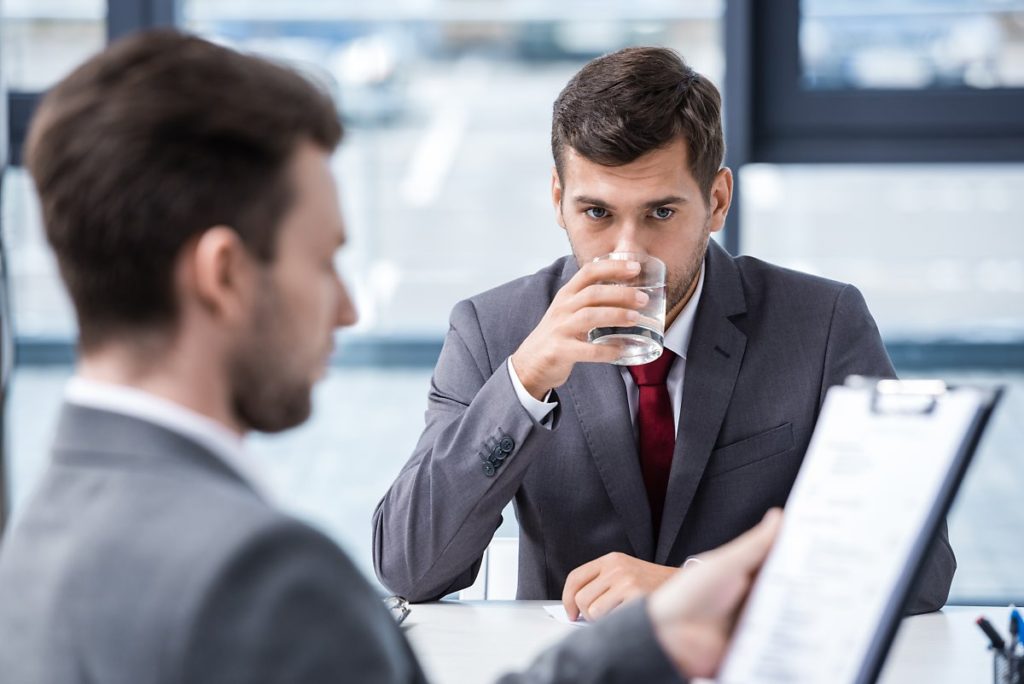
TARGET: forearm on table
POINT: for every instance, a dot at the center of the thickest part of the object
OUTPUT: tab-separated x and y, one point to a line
440	514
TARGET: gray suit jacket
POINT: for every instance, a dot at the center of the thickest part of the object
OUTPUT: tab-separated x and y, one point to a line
767	343
144	559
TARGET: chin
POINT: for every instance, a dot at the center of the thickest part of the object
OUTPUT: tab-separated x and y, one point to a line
275	411
282	422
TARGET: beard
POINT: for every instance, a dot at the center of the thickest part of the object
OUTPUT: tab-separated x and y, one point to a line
679	285
270	392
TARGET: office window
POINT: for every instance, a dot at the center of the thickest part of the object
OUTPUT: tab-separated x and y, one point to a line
42	40
838	81
915	44
445	173
936	249
41	308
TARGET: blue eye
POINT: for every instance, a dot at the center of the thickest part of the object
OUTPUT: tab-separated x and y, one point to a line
596	212
663	213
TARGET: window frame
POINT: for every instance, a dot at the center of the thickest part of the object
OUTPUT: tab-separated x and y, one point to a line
123	17
770	117
790	123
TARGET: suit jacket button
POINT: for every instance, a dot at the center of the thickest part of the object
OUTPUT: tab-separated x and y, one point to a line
507	444
489	470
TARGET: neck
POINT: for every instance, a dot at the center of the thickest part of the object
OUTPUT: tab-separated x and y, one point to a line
671	316
189	380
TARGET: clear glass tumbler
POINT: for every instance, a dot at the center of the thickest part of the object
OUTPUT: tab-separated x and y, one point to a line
642	342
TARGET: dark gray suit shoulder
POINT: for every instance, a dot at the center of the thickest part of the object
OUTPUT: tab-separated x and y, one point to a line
765	283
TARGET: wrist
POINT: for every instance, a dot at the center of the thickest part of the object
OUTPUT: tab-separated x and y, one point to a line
527	379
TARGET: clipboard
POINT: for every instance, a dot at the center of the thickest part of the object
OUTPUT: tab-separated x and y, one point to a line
880	474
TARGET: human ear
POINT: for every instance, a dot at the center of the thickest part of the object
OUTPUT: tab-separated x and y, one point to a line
721	198
218	271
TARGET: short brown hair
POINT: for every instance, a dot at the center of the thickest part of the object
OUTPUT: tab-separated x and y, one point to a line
148	144
620	106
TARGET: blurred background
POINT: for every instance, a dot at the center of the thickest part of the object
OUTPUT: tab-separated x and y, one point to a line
876	142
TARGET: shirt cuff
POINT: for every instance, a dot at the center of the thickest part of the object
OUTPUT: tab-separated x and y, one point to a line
540	411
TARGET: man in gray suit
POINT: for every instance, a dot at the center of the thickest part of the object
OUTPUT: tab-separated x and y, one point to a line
619	475
187	193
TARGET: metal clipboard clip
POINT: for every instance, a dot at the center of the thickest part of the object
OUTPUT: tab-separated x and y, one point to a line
900	397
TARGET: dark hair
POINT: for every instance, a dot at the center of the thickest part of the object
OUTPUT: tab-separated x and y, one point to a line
148	144
620	106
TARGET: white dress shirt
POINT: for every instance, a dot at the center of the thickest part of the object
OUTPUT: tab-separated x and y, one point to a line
677	340
206	432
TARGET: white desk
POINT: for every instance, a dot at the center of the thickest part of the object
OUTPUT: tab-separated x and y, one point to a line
471	642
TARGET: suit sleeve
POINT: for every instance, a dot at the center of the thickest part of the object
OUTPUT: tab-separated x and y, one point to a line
434	523
288	606
855	348
618	649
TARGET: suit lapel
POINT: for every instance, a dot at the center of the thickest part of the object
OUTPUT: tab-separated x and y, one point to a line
712	363
598	395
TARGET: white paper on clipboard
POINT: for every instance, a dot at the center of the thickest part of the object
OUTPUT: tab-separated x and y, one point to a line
869	482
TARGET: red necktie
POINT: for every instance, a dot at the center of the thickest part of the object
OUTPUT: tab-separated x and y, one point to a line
656	430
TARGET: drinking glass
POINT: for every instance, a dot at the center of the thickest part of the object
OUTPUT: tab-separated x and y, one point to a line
643	341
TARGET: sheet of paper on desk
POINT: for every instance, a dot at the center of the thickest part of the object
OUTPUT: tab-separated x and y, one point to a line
557	611
860	501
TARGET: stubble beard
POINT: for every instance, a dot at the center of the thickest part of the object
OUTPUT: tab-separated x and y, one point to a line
681	285
268	394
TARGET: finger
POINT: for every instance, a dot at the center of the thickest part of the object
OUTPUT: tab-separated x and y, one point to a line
747	552
608	295
572	612
587	595
576	580
585	320
606	603
612	270
587	352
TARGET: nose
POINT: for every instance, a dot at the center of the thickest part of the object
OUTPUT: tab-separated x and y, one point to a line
627	239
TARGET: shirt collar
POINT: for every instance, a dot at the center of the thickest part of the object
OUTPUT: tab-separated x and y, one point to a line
677	337
206	432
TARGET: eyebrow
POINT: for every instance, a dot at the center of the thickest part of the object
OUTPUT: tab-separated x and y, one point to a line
660	202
